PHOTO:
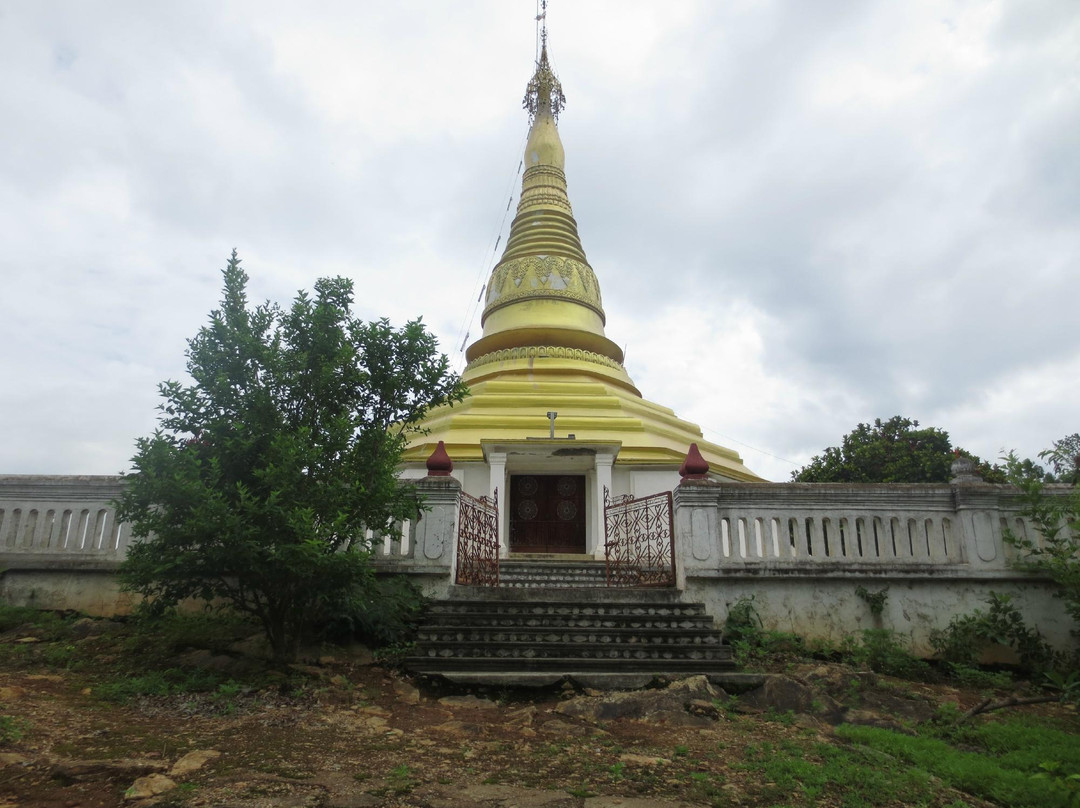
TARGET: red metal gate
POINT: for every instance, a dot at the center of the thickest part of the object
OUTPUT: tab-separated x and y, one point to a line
639	540
478	540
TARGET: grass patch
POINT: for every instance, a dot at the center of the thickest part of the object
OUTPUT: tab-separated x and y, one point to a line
11	729
1021	742
972	772
168	682
844	776
41	623
400	780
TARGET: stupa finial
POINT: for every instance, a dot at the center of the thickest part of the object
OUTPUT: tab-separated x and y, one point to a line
544	93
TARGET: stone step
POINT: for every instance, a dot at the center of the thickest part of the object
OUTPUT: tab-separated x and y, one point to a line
544	621
532	574
580	637
588	609
653	596
505	666
556	618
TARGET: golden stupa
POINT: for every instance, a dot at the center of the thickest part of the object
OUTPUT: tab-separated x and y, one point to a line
543	347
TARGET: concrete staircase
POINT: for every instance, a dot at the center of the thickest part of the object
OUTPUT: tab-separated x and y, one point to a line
552	619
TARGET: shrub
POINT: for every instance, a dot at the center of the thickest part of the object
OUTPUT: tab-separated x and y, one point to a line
967	636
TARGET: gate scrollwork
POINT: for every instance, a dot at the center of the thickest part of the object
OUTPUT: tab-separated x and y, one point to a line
639	539
478	540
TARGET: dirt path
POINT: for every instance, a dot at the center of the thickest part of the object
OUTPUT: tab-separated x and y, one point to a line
369	738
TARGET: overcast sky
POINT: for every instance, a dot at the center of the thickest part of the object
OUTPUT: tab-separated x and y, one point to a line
802	215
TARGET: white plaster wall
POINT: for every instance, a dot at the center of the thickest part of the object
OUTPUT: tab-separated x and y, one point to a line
829	609
646	482
95	593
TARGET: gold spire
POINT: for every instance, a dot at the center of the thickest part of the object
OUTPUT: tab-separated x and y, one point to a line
543	293
543	346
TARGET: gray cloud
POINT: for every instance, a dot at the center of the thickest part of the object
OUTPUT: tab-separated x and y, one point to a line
849	211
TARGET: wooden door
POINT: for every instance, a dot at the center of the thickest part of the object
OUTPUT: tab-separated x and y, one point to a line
547	513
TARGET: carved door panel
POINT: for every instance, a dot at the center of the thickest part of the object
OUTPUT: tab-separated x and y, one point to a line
547	513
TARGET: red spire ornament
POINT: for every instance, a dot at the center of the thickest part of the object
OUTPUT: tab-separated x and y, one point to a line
439	464
695	467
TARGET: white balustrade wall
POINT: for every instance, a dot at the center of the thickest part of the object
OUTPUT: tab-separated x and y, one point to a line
61	517
800	551
61	543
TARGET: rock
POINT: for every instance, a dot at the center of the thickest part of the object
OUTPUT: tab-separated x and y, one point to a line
149	786
373	722
256	646
89	627
307	670
45	677
354	800
372	709
105	769
839	681
700	707
83	627
342	791
566	729
666	706
642	760
520	718
515	797
192	762
467	702
868	718
459	729
779	693
450	727
340	681
910	707
634	802
406	693
12	759
357	654
204	659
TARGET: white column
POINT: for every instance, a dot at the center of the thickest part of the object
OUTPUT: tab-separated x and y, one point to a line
603	479
497	469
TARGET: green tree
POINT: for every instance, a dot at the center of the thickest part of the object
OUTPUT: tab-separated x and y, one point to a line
257	488
1064	458
893	451
897	451
1055	514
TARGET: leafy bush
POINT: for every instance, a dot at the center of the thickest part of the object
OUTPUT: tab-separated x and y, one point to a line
1056	552
967	636
881	651
160	634
751	644
385	613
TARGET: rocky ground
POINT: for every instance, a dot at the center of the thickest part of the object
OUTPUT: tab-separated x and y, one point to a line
341	732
